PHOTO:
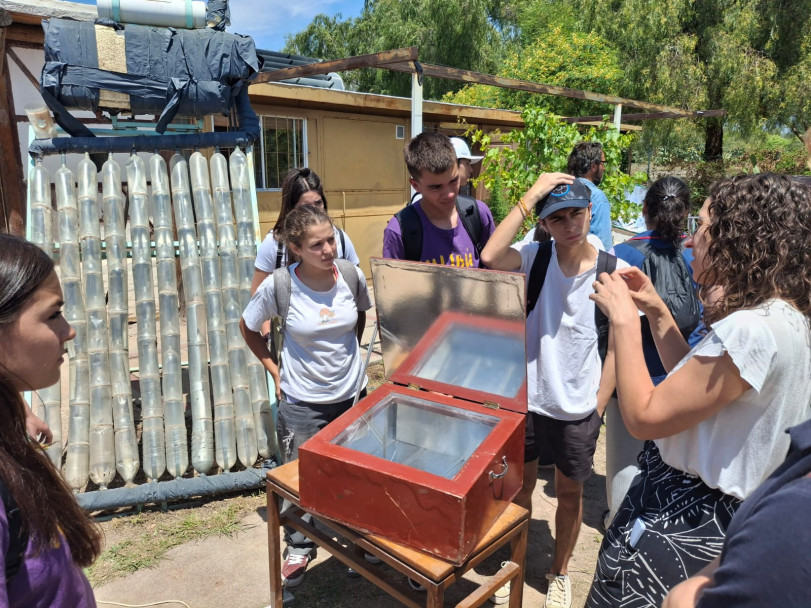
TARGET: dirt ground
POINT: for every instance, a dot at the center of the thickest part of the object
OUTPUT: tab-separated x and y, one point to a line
213	554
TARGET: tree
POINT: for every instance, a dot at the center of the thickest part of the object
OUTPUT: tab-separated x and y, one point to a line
544	145
704	55
457	33
558	56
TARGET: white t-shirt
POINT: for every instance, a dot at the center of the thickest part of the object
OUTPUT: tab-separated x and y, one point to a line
269	250
321	360
737	448
563	367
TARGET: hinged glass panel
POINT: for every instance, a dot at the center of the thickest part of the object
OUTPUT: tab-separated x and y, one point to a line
424	435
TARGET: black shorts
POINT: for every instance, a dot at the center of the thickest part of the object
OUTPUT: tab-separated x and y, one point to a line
572	442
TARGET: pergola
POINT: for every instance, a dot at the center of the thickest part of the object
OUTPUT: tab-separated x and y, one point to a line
406	60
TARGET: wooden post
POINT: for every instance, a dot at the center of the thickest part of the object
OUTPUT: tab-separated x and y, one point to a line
12	181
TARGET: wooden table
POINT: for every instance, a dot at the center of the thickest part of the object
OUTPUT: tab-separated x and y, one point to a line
434	574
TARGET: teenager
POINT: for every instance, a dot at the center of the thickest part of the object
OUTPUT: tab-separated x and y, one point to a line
321	362
441	227
660	253
46	538
715	426
566	389
301	186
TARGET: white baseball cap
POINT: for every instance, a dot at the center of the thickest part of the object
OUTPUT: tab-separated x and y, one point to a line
462	150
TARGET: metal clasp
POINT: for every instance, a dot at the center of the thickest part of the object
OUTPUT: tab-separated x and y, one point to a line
504	465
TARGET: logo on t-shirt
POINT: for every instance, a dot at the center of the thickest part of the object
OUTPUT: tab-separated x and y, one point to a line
326	316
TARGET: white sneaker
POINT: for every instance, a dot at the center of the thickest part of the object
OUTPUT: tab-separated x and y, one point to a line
502	594
559	594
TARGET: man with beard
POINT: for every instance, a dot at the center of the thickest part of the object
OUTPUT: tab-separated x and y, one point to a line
587	161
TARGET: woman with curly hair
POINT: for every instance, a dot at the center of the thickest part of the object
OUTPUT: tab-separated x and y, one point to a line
715	427
45	537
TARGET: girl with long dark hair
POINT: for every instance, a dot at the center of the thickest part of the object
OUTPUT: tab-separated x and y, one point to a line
49	539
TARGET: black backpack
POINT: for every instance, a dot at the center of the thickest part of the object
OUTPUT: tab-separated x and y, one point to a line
411	226
537	276
17	535
670	276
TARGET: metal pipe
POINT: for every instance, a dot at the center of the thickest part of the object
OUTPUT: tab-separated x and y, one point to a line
39	183
202	434
152	435
245	425
102	446
175	489
224	439
246	248
77	458
127	461
177	446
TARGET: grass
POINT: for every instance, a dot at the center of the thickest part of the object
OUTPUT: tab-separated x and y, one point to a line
142	540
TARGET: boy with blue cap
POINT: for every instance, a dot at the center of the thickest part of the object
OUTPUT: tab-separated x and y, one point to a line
567	390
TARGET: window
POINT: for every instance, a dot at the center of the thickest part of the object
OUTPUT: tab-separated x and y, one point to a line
283	146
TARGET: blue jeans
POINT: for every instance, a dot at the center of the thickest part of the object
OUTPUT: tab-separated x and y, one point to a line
295	424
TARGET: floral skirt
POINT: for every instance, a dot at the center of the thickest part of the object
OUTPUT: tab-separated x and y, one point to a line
669	526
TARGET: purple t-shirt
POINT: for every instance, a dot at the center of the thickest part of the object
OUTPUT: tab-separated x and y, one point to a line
440	246
48	580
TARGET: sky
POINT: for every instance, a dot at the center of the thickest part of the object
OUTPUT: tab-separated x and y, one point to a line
268	21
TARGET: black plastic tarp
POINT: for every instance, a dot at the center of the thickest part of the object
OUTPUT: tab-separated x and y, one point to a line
170	72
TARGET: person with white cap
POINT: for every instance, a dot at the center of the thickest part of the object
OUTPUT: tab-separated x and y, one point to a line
464	161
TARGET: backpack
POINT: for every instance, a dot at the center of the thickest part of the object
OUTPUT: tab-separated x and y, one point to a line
280	251
670	276
537	276
17	535
282	287
411	226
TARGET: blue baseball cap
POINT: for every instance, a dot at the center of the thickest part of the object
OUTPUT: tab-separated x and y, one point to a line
576	194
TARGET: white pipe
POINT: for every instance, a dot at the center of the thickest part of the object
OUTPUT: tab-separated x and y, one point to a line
177	446
77	458
127	461
224	439
152	436
202	433
165	13
102	443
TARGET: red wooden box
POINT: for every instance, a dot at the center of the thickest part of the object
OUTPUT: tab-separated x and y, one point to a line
433	458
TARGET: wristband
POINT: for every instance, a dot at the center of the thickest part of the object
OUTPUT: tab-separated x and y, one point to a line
523	208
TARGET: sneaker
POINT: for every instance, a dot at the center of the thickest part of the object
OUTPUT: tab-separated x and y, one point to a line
293	569
502	594
415	585
559	594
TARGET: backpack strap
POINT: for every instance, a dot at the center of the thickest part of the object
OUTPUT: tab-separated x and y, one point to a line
537	274
411	232
605	263
17	535
279	254
343	242
350	274
471	218
282	286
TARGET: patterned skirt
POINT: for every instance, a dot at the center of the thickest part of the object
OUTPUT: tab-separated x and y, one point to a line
670	525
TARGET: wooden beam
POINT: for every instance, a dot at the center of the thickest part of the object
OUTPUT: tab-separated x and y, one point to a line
650	116
12	188
23	68
533	87
349	63
30	36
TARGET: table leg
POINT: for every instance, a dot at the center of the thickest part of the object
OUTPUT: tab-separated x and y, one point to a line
274	548
518	555
436	596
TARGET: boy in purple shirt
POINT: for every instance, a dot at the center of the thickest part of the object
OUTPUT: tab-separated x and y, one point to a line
432	165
